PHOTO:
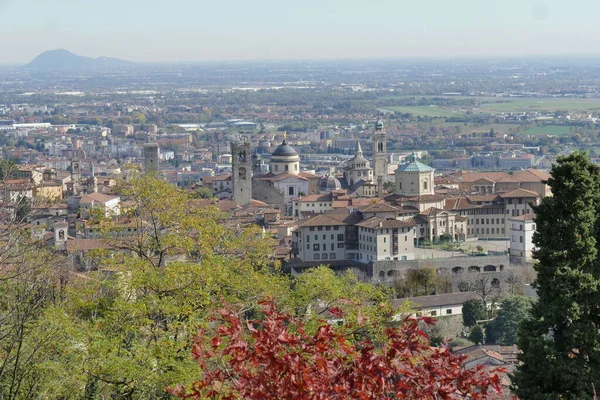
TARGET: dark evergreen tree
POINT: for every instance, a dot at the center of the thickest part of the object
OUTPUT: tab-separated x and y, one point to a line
473	310
561	342
503	329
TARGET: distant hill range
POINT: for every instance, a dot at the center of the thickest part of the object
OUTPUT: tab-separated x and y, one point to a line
63	60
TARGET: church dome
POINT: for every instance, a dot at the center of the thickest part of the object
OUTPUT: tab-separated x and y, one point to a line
329	182
284	150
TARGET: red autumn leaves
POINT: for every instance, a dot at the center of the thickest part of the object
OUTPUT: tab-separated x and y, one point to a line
275	358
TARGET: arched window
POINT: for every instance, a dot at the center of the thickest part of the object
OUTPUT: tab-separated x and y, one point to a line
324	256
242	156
242	173
379	146
61	235
425	185
317	256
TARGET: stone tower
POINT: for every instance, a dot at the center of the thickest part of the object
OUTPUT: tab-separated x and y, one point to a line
241	173
151	158
75	171
380	162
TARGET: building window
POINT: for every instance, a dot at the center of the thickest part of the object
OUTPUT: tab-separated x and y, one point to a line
332	256
308	247
276	167
320	228
425	185
520	239
332	246
291	190
449	311
324	256
316	247
312	228
307	238
340	237
434	313
340	245
317	256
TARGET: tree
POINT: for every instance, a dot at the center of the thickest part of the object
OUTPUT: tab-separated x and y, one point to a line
503	329
473	310
276	358
560	342
485	285
203	193
476	335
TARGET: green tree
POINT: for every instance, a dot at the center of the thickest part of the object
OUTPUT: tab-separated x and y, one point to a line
476	335
503	329
560	343
202	193
473	310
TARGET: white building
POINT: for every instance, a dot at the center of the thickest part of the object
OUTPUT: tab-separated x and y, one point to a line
109	205
385	239
521	238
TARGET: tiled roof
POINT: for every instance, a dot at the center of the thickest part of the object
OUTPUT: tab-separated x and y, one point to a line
96	197
484	198
378	207
314	197
385	223
283	176
526	217
519	193
322	220
431	211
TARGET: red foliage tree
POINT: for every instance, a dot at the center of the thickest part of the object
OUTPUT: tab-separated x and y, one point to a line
276	359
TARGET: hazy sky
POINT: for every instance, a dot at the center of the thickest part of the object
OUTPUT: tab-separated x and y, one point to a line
189	30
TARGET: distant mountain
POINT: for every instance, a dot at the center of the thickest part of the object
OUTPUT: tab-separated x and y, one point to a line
61	59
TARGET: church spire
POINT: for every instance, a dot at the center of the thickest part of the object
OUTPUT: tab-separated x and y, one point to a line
358	148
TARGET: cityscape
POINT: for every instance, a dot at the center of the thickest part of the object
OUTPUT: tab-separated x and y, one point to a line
419	227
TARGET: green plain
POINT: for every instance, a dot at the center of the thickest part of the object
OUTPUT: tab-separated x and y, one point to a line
538	104
555	130
423	111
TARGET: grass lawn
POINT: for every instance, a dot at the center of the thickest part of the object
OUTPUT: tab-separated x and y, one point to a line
555	130
538	104
425	111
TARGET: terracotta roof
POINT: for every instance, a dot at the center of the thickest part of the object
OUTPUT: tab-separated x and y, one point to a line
431	211
483	198
85	244
308	175
532	175
458	203
378	207
526	217
96	197
322	220
519	193
340	203
274	178
385	223
314	197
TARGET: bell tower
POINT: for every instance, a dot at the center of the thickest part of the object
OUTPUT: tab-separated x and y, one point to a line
380	162
241	173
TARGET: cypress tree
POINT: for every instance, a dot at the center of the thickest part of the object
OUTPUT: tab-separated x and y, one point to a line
560	343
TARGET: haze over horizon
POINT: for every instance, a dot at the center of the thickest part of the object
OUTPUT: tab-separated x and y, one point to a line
182	30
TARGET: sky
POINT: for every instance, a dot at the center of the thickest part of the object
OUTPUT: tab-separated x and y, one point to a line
197	30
